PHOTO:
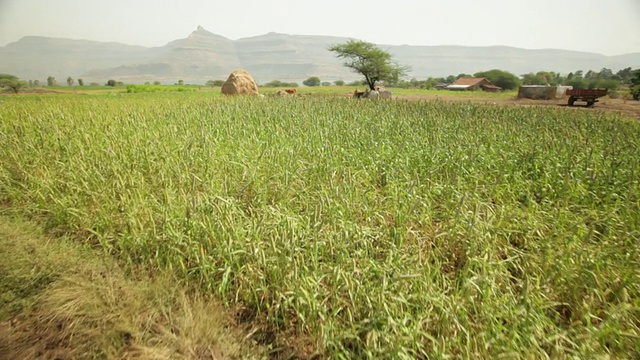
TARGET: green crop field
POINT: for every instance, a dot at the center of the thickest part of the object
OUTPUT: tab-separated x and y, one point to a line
354	229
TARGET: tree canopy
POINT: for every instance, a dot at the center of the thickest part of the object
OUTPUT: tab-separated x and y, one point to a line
371	62
542	78
278	83
312	81
213	83
11	82
504	79
635	85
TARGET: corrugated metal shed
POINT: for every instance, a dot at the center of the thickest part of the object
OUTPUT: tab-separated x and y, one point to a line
458	87
471	83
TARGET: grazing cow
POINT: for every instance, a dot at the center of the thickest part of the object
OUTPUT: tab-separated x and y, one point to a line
291	91
378	93
372	94
359	94
385	94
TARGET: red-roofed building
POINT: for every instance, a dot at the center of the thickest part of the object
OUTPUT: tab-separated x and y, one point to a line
470	83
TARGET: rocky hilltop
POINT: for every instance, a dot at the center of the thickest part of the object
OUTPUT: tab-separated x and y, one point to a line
206	56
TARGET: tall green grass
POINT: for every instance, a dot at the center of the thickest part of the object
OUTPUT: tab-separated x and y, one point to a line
134	88
376	229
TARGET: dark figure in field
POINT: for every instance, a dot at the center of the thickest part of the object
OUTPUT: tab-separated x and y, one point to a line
359	94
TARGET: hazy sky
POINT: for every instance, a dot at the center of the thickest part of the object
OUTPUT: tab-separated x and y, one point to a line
609	27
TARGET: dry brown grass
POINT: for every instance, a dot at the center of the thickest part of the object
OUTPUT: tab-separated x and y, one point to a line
62	301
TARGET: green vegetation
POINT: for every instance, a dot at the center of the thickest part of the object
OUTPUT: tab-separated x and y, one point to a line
605	78
355	229
445	94
366	59
12	82
132	88
280	84
312	81
504	79
215	83
634	88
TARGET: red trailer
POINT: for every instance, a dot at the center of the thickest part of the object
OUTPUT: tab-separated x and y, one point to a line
590	96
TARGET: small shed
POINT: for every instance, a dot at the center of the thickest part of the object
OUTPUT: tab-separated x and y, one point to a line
472	84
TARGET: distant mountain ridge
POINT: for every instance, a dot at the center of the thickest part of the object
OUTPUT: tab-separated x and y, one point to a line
204	56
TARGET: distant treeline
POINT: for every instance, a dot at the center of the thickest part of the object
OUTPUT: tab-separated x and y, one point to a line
604	78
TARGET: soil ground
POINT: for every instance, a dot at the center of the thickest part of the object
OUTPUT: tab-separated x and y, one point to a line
625	107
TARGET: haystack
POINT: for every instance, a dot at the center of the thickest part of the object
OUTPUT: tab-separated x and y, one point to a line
240	82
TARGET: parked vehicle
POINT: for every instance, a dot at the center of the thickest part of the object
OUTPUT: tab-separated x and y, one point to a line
590	96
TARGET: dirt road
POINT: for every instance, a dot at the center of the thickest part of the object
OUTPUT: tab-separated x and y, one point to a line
627	108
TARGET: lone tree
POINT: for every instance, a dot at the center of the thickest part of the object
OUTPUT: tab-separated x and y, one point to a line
11	82
312	81
371	62
504	79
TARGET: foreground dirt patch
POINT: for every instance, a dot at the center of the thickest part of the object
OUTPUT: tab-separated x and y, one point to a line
59	300
626	107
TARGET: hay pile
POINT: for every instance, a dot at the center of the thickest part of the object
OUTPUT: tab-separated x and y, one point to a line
240	82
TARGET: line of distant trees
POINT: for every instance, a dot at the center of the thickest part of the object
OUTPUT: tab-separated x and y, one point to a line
626	78
605	78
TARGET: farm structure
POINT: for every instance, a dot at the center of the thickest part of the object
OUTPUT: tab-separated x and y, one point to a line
473	84
543	92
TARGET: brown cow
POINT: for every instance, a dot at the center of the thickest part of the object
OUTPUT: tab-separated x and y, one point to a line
358	94
291	91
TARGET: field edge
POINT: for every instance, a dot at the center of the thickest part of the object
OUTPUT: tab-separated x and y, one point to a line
60	299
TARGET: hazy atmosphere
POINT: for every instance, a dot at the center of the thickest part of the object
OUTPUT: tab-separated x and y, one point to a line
609	28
